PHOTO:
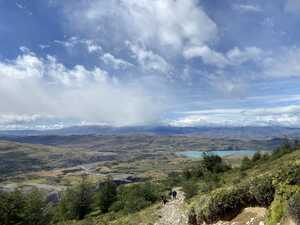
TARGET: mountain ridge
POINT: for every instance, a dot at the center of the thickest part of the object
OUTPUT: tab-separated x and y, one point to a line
251	132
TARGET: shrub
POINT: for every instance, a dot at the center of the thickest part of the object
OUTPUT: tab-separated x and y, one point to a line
23	209
190	188
262	190
173	179
134	197
223	204
226	203
256	157
294	207
214	163
107	195
291	175
246	163
76	202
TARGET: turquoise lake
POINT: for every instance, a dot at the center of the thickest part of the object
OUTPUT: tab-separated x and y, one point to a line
223	153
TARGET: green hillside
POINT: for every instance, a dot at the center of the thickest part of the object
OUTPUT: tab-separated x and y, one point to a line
214	190
270	181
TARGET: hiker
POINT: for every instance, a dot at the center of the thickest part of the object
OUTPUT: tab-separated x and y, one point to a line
163	199
171	193
174	194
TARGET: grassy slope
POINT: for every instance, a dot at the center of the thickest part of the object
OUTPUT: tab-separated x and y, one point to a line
276	211
275	168
271	167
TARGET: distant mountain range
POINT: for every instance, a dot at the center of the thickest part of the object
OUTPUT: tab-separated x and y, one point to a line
208	132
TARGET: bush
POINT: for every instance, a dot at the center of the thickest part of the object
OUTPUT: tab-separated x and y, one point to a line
226	203
262	190
76	202
223	204
173	179
246	163
134	197
294	207
256	157
214	163
24	209
107	195
291	175
190	188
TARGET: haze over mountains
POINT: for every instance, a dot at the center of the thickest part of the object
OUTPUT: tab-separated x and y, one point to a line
209	132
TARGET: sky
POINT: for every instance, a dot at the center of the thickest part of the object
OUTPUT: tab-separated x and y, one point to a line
149	62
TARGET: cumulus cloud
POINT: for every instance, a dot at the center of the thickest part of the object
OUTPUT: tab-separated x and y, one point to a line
116	63
32	88
208	55
168	23
148	60
278	116
233	57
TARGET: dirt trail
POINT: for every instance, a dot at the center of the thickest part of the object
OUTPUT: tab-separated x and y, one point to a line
174	212
249	216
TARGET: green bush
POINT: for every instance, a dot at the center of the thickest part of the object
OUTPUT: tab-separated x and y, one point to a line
24	209
223	204
173	179
134	197
246	163
256	157
226	203
76	202
294	207
262	191
290	175
106	195
214	163
190	188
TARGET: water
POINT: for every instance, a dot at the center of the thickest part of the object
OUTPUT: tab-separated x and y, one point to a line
223	153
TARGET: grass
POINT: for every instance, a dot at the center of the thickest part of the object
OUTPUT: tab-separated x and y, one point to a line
281	171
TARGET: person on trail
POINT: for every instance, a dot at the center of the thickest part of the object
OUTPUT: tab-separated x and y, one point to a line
163	199
171	193
174	194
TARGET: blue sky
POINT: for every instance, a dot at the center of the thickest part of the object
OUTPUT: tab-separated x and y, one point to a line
149	62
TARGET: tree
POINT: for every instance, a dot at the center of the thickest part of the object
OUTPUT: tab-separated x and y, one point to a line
214	163
76	202
256	156
107	195
17	208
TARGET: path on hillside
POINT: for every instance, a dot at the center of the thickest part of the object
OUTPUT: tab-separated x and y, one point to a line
174	212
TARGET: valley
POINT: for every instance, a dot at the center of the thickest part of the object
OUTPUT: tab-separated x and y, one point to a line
53	163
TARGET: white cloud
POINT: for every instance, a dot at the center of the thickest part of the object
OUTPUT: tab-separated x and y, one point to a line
161	23
233	57
282	63
92	46
31	86
148	60
208	55
247	8
116	63
70	43
237	56
279	116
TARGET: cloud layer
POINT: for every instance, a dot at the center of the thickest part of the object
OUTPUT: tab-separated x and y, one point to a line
137	62
32	88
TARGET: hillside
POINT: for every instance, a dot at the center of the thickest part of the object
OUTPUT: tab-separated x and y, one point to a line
269	185
214	190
